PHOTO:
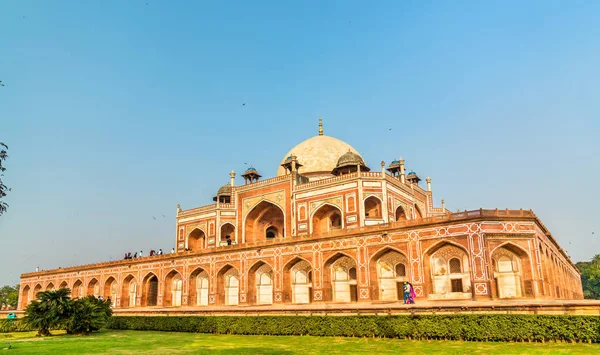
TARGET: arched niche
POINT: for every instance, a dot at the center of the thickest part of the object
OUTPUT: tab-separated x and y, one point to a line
227	230
512	276
199	287
265	221
111	290
77	291
197	239
228	286
50	287
389	268
450	274
373	208
400	214
340	279
297	274
24	300
173	289
93	288
149	290
260	279
129	292
326	218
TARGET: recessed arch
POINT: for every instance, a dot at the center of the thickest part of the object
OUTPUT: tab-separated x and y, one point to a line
149	290
297	273
63	284
196	239
260	218
388	271
325	218
400	214
418	212
228	283
198	289
129	291
173	293
37	289
50	286
260	283
447	271
227	229
340	278
513	274
93	288
24	300
111	290
78	290
373	207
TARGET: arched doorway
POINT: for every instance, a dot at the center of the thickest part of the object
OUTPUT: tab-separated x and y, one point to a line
198	290
150	290
24	301
63	285
260	277
326	218
50	287
511	274
110	290
227	230
298	274
93	288
340	274
389	268
450	274
129	292
77	290
400	214
173	289
228	286
373	208
265	221
196	239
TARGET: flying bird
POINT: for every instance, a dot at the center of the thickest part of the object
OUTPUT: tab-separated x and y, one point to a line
389	129
244	104
153	217
593	232
164	216
1	83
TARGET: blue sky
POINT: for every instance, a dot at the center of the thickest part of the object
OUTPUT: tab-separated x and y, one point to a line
116	111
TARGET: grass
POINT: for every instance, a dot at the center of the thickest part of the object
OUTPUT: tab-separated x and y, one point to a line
150	342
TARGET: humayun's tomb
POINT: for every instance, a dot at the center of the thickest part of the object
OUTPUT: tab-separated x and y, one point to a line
330	231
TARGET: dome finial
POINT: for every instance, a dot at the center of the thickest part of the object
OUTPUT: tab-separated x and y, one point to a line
320	126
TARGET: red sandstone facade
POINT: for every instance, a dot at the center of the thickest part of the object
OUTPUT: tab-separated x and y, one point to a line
327	229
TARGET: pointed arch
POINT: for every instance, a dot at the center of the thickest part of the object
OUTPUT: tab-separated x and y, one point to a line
24	300
388	271
260	283
262	218
400	214
373	207
149	290
173	293
196	239
326	218
227	229
418	212
513	273
50	286
93	288
297	273
447	271
198	289
111	290
228	283
63	284
77	289
340	278
37	289
129	291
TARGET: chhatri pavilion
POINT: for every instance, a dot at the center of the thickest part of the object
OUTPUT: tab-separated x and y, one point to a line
330	229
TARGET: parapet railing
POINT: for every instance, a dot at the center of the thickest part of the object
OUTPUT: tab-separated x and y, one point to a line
383	227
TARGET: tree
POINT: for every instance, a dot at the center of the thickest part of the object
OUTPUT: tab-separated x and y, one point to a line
3	188
590	277
49	311
89	314
55	309
9	296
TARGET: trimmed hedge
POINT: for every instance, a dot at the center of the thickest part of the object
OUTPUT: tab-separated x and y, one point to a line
13	325
471	327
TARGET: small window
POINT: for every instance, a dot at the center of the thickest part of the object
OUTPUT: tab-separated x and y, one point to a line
400	270
455	266
271	232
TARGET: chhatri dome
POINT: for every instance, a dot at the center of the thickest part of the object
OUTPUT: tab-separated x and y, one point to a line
318	155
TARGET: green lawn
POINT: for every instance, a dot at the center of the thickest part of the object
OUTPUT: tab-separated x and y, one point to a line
139	342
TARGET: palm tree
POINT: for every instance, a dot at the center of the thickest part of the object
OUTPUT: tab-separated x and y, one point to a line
51	310
89	314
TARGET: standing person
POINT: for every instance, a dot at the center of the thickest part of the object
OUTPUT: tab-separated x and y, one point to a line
406	289
141	254
173	251
413	294
160	252
135	255
228	239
